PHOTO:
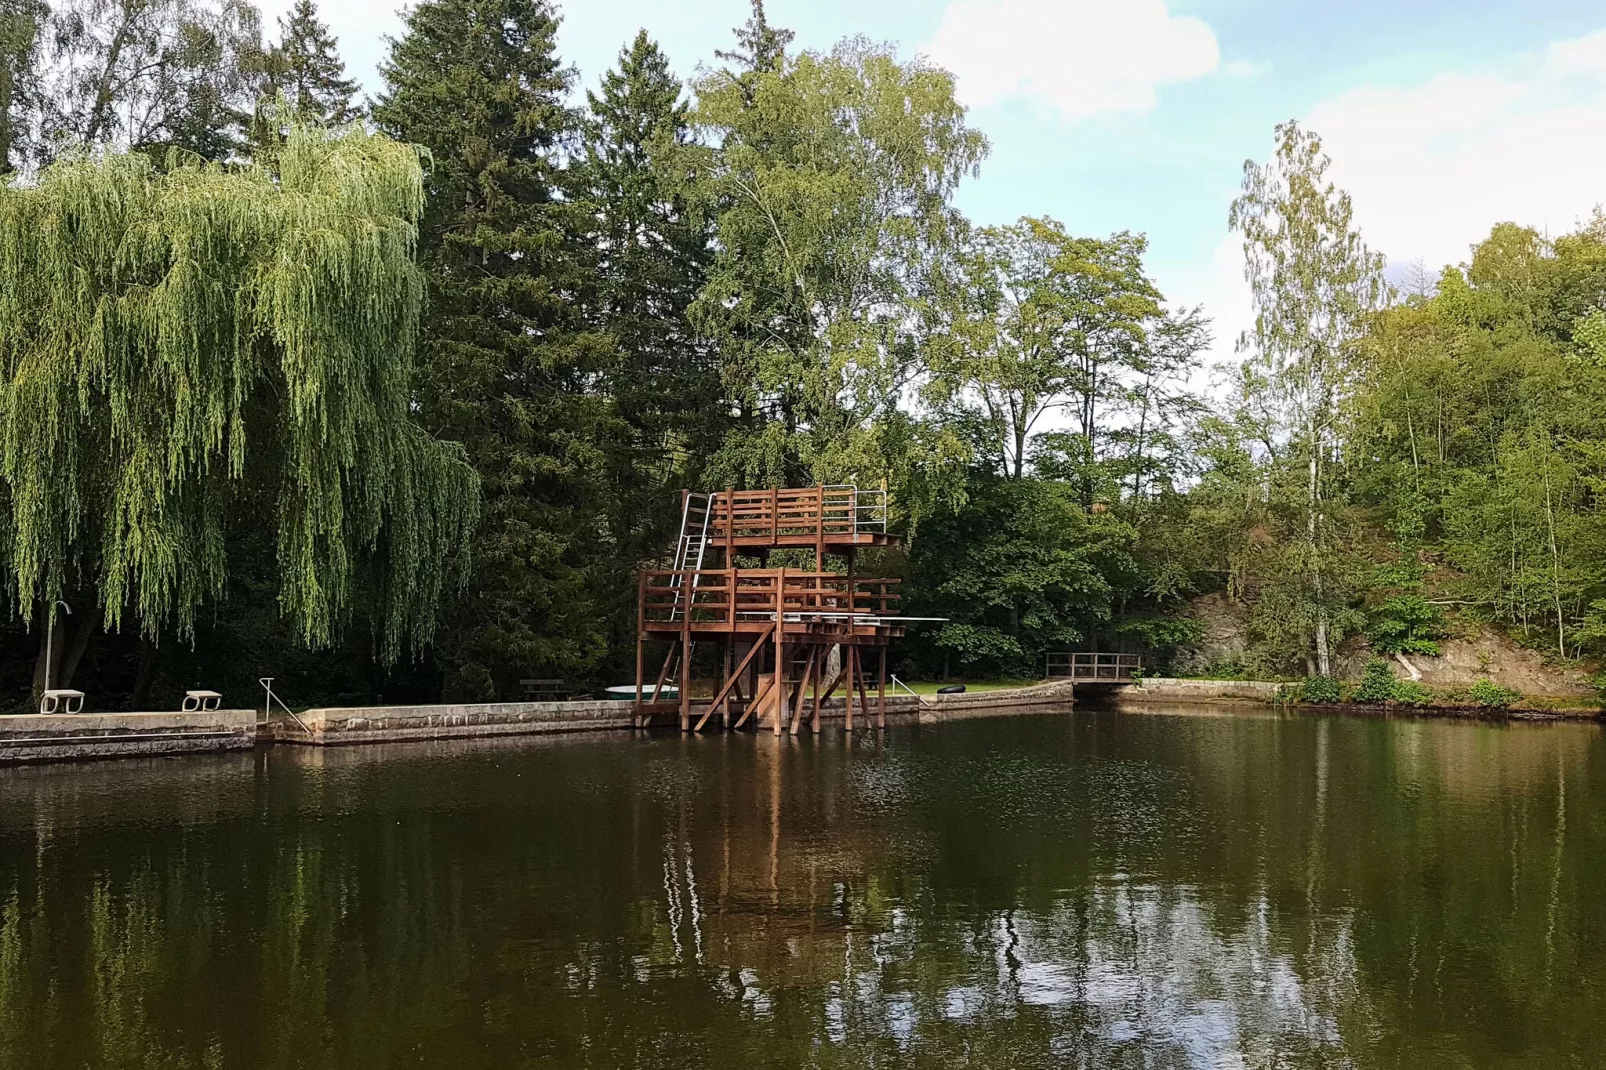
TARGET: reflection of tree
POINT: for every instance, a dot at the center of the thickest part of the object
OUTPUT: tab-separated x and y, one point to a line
1118	891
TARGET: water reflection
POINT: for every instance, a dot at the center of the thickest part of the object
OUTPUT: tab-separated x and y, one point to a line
1161	891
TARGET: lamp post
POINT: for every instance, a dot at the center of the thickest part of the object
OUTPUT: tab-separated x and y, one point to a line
50	634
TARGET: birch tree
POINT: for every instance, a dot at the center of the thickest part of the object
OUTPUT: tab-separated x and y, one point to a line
1315	286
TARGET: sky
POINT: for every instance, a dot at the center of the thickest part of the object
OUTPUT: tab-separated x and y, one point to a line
1442	117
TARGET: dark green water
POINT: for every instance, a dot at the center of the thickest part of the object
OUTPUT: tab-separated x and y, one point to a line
1095	890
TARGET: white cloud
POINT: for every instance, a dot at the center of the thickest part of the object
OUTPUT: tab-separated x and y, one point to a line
1432	166
1079	57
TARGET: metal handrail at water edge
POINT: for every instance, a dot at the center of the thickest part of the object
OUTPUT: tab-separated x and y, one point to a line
1093	666
729	596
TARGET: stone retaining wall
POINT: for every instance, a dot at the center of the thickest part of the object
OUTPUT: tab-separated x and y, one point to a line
389	724
57	737
1165	689
385	724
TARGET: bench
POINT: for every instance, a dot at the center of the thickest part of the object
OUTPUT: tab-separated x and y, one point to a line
197	701
543	690
61	700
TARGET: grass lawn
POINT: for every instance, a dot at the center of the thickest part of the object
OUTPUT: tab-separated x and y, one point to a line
927	687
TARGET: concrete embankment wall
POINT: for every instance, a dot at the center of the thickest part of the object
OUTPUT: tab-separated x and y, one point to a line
392	724
387	724
56	737
1224	692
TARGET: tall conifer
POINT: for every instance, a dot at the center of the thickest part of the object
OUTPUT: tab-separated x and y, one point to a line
508	362
306	67
654	253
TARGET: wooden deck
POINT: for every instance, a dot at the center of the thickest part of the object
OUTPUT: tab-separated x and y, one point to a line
750	601
778	632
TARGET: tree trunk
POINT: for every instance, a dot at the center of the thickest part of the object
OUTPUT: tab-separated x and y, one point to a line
146	674
1323	659
76	648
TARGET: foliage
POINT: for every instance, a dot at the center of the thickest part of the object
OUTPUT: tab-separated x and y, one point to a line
174	344
152	75
1489	695
302	75
1377	682
509	357
1315	285
1037	321
22	26
1407	624
830	180
1321	690
653	251
1411	693
306	67
1020	570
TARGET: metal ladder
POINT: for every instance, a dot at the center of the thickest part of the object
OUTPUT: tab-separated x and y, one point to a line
695	515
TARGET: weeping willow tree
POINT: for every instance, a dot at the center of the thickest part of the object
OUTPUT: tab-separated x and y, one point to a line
181	344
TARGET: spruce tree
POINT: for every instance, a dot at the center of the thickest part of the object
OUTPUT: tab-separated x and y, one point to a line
306	67
507	362
654	253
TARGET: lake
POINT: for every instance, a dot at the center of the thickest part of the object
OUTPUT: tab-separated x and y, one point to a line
1096	889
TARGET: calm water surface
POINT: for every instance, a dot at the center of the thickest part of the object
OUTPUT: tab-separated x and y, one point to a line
1094	890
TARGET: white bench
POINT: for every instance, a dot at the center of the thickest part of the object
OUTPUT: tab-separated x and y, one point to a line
195	701
60	700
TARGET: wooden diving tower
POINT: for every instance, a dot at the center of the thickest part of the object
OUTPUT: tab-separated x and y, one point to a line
774	628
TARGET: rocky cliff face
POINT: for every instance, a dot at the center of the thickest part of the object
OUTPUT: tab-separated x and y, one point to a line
1482	652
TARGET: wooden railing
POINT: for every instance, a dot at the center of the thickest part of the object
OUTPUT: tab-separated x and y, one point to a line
1094	667
715	596
820	513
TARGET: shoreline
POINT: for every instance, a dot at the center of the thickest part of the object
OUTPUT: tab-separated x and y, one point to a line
59	738
27	739
1267	694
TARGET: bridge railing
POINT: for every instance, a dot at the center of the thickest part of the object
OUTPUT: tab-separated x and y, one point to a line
1093	666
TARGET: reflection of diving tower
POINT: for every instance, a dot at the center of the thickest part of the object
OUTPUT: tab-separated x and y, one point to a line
774	627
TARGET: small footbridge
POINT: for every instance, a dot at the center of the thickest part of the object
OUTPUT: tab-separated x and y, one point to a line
1095	667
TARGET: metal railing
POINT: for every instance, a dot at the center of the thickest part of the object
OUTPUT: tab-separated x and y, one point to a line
1093	667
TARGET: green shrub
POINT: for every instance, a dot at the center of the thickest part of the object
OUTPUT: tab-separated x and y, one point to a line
1377	683
1411	693
1491	696
1407	624
1322	689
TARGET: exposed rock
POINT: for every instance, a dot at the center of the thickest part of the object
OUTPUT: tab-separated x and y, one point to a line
1223	622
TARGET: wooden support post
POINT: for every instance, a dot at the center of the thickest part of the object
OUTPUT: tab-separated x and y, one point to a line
730	535
819	671
722	699
663	674
864	691
850	657
641	644
819	528
881	692
761	699
803	687
641	653
780	651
